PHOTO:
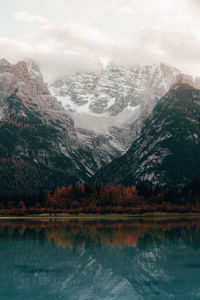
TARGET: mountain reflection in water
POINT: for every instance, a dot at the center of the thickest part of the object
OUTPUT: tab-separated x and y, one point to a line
150	258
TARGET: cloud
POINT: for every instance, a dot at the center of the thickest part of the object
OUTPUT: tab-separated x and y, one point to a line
25	17
122	31
196	2
68	49
56	4
148	45
74	37
127	10
14	50
118	7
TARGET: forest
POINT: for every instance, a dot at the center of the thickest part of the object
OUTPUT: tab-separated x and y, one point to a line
85	199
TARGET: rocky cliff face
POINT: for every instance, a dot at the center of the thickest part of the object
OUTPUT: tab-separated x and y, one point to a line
44	144
39	146
167	152
115	102
115	88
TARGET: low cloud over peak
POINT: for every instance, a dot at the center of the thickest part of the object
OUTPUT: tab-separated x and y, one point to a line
72	39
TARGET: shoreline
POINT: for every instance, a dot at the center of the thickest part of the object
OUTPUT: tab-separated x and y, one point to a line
106	216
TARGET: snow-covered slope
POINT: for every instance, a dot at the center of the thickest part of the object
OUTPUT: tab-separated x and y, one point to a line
39	146
114	89
115	102
98	118
167	153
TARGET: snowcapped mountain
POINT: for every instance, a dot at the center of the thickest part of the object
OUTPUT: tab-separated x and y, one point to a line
115	102
167	152
39	146
46	142
115	89
34	70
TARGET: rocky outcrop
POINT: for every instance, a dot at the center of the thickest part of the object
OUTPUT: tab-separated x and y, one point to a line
39	146
115	102
167	152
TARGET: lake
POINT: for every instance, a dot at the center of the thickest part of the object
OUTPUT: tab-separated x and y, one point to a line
100	259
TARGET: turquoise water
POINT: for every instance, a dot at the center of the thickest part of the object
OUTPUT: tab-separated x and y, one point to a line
100	259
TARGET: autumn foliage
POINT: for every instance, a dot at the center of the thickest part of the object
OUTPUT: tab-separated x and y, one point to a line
85	199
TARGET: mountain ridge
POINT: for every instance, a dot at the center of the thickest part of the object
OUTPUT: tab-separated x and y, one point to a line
116	101
167	151
40	136
39	146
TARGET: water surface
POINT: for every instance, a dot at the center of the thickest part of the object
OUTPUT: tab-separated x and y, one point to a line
83	259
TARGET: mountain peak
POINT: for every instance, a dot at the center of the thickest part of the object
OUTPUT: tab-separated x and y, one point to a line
34	69
3	61
5	66
167	151
21	69
187	79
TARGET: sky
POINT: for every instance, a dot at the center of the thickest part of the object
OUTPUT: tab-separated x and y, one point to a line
69	36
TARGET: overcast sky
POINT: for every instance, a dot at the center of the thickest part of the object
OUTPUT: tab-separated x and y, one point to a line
67	36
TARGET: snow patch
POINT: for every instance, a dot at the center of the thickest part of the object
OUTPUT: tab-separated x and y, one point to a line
102	123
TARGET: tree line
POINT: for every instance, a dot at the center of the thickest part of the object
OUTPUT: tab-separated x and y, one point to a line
87	199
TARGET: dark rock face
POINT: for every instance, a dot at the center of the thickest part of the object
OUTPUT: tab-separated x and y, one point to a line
39	146
42	144
114	103
167	152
